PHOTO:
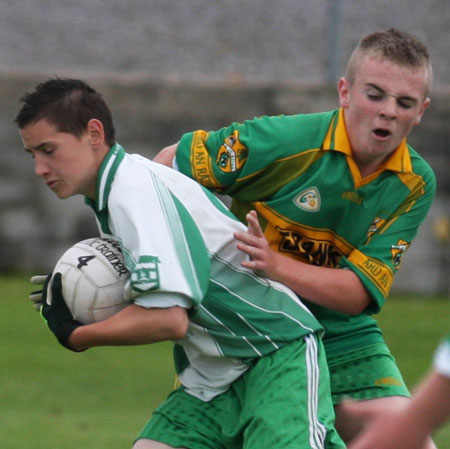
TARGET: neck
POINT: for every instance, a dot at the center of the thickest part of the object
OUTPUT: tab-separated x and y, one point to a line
368	167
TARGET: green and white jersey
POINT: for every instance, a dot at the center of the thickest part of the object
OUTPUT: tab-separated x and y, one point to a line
178	245
442	358
298	173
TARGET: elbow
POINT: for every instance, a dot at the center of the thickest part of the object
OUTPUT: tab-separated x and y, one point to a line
357	297
358	306
354	311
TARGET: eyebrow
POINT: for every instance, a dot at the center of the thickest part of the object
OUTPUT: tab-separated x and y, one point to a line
40	147
403	97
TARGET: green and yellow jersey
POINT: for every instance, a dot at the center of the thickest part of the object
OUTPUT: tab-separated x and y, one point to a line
298	173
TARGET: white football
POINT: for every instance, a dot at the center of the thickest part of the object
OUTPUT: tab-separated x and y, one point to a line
93	279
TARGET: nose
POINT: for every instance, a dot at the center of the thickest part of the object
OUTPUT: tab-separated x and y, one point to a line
389	108
40	166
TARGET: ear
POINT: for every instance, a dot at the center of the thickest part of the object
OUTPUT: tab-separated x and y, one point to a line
344	92
96	132
425	105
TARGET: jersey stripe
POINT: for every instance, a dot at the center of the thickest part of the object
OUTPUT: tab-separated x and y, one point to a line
174	221
317	429
234	271
256	306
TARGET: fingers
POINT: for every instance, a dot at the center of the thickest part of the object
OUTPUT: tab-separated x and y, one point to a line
253	224
36	296
57	284
56	291
245	238
253	230
36	299
38	279
250	250
257	257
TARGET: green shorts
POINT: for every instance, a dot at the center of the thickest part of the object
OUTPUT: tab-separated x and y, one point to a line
365	373
283	401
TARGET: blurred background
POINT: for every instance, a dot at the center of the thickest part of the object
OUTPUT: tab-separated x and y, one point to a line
167	67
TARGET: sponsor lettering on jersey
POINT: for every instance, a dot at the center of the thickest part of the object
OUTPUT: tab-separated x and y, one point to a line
355	197
397	252
115	258
308	200
315	252
232	154
379	273
321	247
201	162
145	275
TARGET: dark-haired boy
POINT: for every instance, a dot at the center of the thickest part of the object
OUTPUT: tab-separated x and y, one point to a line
246	350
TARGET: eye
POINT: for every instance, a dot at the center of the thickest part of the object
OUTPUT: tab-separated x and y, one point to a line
374	97
48	150
405	104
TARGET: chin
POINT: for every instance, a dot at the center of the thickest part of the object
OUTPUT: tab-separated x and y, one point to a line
62	195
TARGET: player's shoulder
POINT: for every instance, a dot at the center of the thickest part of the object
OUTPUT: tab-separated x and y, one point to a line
132	169
141	173
421	167
314	120
308	129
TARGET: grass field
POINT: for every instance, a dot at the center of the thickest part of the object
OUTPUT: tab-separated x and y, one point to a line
51	398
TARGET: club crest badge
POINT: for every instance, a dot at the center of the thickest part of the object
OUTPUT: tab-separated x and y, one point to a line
375	226
232	154
308	200
145	276
397	252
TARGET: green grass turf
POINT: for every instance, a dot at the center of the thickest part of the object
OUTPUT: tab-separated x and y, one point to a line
53	398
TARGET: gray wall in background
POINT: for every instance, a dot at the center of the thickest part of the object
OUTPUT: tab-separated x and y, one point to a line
287	41
167	67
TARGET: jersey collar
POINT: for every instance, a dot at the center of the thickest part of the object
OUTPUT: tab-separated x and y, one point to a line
337	140
105	177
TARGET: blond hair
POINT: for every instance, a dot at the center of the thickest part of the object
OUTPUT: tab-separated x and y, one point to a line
393	45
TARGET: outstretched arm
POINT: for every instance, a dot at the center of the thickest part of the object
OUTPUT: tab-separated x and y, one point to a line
410	426
337	289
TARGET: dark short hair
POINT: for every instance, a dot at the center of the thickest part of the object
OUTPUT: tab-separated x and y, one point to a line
68	104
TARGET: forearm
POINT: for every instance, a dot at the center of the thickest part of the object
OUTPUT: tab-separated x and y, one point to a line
134	325
408	427
337	289
430	405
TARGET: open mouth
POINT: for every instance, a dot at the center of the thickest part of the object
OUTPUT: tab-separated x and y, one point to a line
381	132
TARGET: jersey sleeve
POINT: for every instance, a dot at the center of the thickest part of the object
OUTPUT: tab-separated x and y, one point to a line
380	257
254	159
163	248
442	358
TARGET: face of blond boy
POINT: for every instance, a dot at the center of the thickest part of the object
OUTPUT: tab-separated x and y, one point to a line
381	106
